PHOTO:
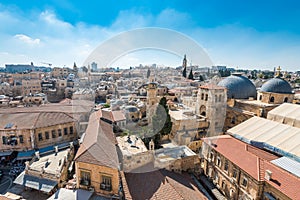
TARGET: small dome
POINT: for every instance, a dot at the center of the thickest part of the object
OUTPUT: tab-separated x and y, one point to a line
238	87
277	85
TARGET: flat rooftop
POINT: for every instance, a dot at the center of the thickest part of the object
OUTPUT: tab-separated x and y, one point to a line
52	163
130	145
182	114
173	153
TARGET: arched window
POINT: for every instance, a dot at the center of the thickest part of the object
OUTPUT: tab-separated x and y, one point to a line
272	99
202	96
233	120
260	97
220	97
286	99
206	97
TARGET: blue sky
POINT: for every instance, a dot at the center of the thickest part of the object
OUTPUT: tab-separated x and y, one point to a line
244	34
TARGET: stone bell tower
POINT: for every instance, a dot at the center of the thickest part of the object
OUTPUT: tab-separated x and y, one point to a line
152	101
212	104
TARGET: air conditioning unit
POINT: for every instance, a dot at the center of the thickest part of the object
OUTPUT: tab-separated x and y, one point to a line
91	189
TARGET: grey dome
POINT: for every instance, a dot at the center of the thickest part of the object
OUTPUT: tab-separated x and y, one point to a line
277	85
238	87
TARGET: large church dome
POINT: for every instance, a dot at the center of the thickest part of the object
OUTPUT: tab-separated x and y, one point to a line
238	87
277	85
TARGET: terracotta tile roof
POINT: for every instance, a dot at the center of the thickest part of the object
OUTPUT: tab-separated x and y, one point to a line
283	181
255	162
34	119
98	146
240	153
160	185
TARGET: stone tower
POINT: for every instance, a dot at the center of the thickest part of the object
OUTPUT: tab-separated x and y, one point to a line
152	100
184	62
212	103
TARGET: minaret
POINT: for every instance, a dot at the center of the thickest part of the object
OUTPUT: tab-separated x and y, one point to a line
184	64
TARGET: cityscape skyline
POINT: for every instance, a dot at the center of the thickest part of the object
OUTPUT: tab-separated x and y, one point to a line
250	35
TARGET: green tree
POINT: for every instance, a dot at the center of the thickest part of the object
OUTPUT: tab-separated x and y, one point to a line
161	112
191	76
201	78
184	72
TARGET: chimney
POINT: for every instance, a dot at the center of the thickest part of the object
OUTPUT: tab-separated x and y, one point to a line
26	167
37	154
268	175
56	149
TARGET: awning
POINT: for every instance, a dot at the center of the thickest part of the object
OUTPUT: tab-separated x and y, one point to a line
46	150
5	153
34	182
25	155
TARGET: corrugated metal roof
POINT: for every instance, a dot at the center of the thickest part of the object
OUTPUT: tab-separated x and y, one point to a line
274	136
288	164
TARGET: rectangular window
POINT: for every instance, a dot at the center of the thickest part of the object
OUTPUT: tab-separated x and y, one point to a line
219	162
234	174
4	140
245	182
21	139
106	183
40	136
53	132
226	165
59	132
65	131
71	129
47	135
85	178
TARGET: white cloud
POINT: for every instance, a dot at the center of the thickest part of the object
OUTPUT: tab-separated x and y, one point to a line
43	37
27	39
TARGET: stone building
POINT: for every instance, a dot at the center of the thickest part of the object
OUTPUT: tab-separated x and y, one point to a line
211	104
242	171
96	162
45	173
29	131
31	86
276	91
152	101
242	103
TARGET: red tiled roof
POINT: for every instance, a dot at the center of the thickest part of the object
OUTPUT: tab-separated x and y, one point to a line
98	146
240	153
283	181
160	185
255	162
